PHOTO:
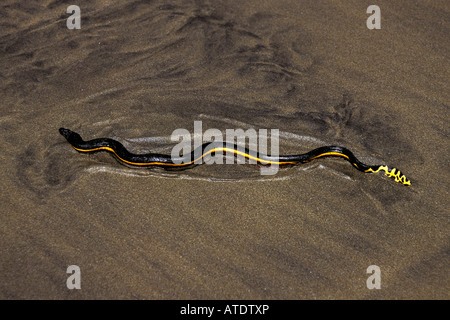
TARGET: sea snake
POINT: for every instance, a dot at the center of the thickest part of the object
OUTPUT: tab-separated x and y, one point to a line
195	157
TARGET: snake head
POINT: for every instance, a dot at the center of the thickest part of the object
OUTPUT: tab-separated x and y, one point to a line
70	135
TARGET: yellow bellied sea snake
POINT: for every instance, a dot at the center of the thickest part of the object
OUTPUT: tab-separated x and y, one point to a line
190	159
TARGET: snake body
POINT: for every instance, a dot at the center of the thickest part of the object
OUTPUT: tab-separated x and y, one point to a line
195	157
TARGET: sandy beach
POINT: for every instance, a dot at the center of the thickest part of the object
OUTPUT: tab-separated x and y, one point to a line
138	70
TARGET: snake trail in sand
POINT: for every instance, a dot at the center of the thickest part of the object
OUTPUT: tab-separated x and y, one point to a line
190	159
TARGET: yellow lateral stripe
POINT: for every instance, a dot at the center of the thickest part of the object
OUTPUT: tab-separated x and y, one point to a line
252	157
184	164
331	154
393	173
126	161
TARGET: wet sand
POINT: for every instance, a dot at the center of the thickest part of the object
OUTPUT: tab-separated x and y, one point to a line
138	70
